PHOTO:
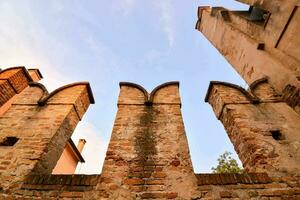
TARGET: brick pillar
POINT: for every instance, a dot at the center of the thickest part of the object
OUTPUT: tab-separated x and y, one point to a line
12	81
148	155
263	129
35	130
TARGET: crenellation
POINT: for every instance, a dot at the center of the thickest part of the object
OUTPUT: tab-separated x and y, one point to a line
148	155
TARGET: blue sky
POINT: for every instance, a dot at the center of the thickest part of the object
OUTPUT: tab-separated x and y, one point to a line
148	42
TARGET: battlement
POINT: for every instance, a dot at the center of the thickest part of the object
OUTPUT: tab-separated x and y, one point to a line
167	93
148	154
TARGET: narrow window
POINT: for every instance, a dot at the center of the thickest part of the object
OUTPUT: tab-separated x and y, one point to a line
9	141
257	14
276	134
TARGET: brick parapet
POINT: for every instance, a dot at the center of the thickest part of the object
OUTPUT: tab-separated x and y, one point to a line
62	180
233	178
247	186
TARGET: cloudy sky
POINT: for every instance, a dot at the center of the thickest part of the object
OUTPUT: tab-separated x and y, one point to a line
148	42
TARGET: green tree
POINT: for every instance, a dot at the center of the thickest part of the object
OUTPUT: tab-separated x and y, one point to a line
227	164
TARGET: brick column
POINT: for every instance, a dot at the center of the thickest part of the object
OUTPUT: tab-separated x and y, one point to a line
12	81
263	129
148	155
35	130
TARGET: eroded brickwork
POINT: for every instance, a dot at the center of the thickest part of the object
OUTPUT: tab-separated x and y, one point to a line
148	151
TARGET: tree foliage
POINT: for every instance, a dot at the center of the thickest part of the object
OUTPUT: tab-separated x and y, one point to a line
227	164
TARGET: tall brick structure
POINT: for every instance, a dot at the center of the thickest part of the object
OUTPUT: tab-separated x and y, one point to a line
263	123
260	42
148	150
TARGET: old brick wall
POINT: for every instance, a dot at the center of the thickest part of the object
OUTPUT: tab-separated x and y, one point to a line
257	49
247	186
41	125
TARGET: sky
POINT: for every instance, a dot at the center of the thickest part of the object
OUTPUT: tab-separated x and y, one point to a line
147	42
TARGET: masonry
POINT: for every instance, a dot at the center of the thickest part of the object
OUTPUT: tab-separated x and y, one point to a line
148	155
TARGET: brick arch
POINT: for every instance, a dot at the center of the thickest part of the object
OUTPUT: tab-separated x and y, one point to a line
41	86
256	83
44	100
132	93
169	96
241	90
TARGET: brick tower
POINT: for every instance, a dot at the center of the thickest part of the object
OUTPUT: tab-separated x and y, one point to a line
148	155
262	41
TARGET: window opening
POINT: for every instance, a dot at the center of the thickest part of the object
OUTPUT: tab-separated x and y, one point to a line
276	134
9	141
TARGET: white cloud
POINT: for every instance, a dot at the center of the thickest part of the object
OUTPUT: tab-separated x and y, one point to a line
94	150
167	19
